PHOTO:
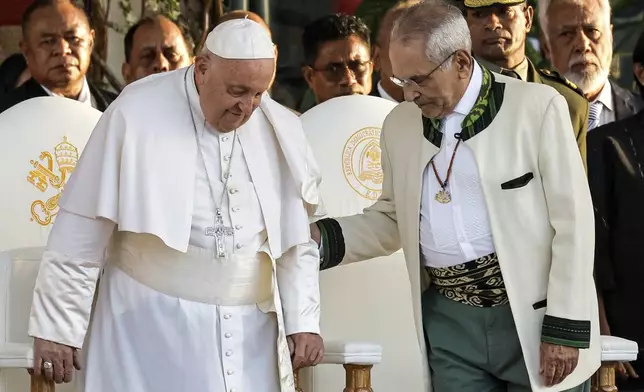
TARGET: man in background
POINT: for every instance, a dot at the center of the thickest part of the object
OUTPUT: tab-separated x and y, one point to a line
337	55
499	30
154	44
381	62
615	158
579	40
57	43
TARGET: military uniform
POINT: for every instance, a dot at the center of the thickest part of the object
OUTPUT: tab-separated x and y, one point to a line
578	106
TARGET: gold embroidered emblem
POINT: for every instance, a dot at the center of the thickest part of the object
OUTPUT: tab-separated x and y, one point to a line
361	163
51	173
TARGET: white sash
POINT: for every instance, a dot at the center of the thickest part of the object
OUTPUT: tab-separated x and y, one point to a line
195	275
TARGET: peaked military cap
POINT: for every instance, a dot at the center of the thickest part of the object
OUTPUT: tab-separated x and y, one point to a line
487	3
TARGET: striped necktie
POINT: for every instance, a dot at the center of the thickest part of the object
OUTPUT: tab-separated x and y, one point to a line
594	114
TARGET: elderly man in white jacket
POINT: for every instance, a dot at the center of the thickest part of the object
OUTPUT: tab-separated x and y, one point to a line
484	189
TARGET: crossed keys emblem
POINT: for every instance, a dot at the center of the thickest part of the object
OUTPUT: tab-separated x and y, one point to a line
51	172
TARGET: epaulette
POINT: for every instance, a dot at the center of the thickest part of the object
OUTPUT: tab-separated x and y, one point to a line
557	77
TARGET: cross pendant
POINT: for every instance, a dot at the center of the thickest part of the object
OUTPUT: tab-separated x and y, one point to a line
220	232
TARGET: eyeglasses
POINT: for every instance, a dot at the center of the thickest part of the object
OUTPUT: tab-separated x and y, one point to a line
335	72
417	81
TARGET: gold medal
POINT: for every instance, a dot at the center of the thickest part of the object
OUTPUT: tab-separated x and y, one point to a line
443	196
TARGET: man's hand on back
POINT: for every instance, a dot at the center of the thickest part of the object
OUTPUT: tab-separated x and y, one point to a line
56	362
307	349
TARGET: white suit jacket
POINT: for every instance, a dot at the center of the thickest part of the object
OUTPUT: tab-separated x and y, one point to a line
540	212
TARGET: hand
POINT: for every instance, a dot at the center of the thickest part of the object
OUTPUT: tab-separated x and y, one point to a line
625	370
316	235
307	349
63	358
557	362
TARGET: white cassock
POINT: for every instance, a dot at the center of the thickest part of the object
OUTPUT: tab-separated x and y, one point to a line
170	316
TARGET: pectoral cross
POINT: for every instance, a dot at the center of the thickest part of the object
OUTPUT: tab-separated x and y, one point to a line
220	232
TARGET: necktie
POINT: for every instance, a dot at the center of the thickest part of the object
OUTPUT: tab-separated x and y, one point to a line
594	114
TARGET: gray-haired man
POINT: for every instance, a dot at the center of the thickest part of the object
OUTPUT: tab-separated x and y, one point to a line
485	191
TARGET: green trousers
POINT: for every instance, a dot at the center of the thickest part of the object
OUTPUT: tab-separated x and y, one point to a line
473	349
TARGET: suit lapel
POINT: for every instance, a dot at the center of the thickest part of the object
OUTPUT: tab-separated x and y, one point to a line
423	150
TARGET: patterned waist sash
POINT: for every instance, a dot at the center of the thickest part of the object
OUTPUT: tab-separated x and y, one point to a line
476	283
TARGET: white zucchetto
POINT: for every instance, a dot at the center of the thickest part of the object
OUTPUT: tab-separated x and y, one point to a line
240	39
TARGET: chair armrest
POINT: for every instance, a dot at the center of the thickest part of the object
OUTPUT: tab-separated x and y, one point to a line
615	349
16	355
353	353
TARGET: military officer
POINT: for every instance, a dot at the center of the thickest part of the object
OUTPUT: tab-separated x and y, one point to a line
499	30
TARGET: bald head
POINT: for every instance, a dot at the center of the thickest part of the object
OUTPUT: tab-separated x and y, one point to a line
241	14
381	48
392	15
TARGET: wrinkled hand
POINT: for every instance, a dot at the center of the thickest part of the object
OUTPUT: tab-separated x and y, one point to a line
307	349
316	235
557	362
63	358
625	370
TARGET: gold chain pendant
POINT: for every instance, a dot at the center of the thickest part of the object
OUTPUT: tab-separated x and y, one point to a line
443	196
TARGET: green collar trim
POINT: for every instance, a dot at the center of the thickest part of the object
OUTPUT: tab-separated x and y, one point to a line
480	117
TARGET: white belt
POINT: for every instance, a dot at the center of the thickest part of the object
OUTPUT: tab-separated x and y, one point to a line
196	275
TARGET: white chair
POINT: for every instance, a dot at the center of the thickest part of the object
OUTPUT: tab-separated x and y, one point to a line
370	300
41	140
614	351
18	271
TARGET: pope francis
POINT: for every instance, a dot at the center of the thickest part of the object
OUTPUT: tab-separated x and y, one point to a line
485	191
193	197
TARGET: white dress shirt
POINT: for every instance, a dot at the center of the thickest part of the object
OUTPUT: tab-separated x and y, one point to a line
459	231
85	95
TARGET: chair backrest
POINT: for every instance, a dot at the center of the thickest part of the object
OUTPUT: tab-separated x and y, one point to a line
41	140
344	134
18	272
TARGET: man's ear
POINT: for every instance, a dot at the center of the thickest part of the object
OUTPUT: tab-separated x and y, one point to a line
202	63
529	18
307	72
126	72
375	58
24	48
92	35
545	46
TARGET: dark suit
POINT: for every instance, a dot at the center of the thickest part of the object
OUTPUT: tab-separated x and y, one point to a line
616	178
625	103
32	89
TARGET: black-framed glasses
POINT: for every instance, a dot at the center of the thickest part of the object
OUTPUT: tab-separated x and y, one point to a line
335	72
416	81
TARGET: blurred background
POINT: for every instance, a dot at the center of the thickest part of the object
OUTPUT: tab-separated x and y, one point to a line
287	18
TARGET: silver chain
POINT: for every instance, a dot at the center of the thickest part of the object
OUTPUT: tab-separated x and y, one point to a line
203	161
